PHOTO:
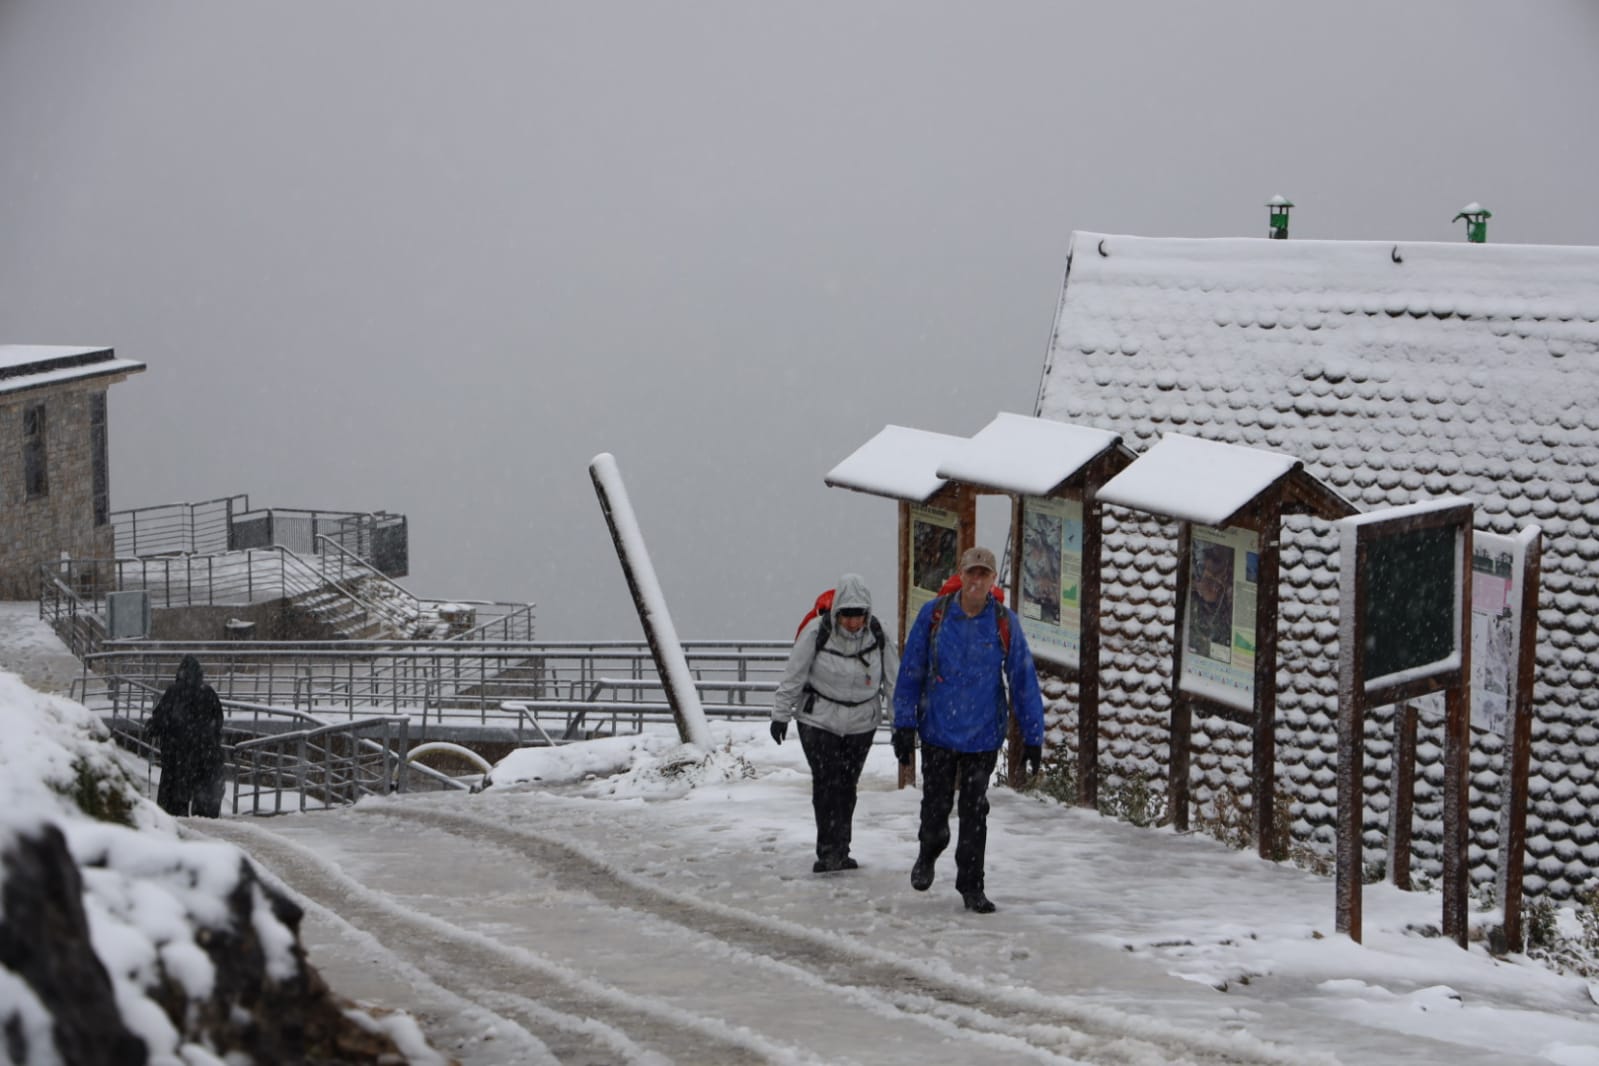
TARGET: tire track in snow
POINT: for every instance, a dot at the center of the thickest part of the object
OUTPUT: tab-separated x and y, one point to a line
592	1023
1038	1021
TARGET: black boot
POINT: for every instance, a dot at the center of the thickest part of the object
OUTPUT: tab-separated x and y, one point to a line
977	902
922	872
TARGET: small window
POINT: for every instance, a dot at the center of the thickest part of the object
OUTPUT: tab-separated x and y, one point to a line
35	471
98	456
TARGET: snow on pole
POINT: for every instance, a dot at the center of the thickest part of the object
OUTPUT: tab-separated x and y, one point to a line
670	662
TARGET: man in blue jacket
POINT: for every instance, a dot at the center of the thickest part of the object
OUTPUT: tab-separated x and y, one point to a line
962	653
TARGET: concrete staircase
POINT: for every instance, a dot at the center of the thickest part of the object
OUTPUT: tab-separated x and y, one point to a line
344	617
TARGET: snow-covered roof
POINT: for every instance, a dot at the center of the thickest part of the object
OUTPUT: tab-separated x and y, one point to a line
1395	372
899	462
1025	455
32	366
1196	480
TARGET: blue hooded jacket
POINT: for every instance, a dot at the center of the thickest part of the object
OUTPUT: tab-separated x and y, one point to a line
964	709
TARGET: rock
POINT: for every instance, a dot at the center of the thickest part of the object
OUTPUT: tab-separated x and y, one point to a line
44	940
266	1003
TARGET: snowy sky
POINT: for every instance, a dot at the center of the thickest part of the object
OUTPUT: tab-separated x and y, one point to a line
465	248
629	883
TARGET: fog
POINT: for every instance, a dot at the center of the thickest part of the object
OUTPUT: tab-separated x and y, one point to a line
432	258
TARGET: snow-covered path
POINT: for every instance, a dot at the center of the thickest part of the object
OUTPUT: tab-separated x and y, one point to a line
537	927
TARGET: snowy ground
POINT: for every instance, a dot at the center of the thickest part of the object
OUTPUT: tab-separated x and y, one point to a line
604	903
609	902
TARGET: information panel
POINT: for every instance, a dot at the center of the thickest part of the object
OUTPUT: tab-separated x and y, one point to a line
1495	623
931	555
1218	659
1052	571
1412	609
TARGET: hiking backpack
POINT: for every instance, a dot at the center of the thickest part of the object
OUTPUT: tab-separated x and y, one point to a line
823	608
946	596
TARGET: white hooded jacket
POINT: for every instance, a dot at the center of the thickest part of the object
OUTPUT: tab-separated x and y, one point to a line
847	686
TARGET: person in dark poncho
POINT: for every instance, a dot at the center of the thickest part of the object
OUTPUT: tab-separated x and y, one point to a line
186	726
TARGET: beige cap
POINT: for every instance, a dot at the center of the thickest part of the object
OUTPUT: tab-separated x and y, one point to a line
974	557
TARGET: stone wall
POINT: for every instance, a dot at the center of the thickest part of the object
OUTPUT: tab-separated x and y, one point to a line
37	531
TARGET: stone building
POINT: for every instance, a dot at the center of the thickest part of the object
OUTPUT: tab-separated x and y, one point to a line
1397	372
55	484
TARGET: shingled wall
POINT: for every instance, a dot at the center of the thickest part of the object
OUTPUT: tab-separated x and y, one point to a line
1397	372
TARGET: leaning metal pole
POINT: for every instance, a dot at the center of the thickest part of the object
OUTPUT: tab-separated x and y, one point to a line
670	661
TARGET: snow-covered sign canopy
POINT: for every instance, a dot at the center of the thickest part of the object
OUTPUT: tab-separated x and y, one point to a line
1208	482
31	366
899	462
1028	456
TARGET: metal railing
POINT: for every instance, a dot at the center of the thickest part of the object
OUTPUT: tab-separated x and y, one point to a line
79	626
407	614
173	528
318	762
511	686
360	594
228	523
322	766
379	538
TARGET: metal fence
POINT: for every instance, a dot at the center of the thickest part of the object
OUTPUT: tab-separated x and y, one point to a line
363	595
321	766
172	528
520	688
228	523
277	759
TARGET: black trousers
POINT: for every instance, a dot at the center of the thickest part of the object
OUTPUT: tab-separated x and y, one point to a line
942	770
836	764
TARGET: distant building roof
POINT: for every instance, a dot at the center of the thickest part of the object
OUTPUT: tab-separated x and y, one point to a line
33	366
1396	372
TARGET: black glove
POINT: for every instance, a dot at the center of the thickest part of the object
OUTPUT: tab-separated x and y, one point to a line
904	744
1032	759
779	731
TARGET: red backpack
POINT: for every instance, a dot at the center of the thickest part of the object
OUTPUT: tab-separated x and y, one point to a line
824	604
824	608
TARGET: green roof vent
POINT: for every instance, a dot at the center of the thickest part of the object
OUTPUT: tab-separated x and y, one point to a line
1476	217
1279	205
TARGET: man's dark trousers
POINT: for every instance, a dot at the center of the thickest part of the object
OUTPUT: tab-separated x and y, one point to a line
941	770
836	764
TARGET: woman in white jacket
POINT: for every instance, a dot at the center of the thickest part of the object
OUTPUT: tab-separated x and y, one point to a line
839	684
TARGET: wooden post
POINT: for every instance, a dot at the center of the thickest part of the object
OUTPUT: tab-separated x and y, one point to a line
1513	802
1265	725
1182	712
1457	772
1457	749
1088	654
907	771
1351	755
1402	805
1015	772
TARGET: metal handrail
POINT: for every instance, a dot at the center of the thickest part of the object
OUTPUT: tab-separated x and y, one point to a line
365	570
441	680
515	624
248	717
215	579
175	528
313	761
78	626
